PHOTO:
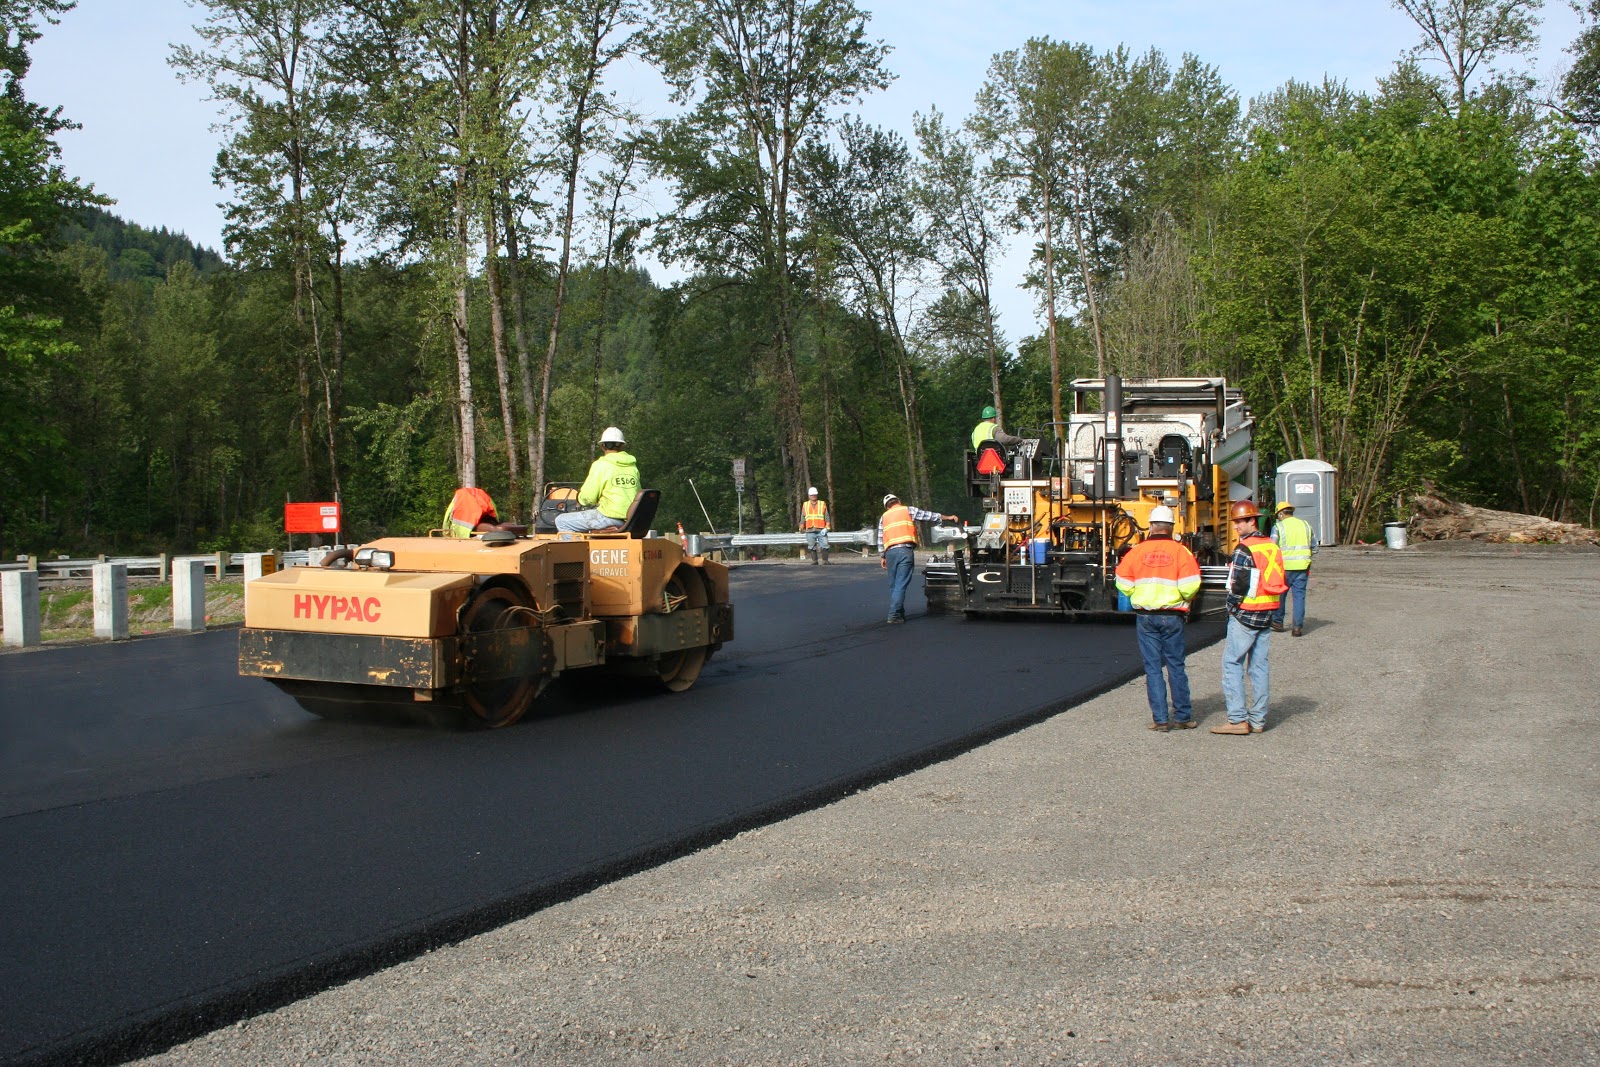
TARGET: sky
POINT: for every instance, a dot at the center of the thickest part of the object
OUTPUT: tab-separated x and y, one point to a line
149	141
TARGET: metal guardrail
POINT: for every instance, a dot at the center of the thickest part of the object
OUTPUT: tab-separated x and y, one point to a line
217	564
699	544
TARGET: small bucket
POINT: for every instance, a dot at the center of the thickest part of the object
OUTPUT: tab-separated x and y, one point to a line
1039	550
1394	534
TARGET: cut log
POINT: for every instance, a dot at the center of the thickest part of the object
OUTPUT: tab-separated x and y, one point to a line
1433	518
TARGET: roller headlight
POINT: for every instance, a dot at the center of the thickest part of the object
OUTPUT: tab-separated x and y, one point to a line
374	558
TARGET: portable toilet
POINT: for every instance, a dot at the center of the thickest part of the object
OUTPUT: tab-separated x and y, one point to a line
1312	487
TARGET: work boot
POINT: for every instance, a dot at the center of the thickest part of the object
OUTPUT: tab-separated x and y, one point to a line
1258	727
1296	632
1159	727
813	557
825	563
1277	627
1232	728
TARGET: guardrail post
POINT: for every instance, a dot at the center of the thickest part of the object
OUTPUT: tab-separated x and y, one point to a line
222	565
189	594
111	601
164	561
315	556
19	599
33	563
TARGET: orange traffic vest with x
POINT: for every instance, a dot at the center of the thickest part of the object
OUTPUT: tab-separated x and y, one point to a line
1267	580
899	528
814	515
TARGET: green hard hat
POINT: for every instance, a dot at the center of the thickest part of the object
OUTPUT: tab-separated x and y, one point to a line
988	412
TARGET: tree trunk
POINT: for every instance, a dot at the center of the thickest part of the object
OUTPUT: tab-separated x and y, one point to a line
497	337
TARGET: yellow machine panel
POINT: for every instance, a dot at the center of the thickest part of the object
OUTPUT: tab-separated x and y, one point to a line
628	576
315	600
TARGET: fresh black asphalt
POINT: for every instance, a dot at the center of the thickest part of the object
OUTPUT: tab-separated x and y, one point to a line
180	847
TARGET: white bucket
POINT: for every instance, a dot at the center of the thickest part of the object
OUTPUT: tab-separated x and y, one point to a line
1394	534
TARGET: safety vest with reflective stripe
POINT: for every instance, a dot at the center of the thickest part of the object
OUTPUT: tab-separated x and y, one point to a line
899	528
1159	574
468	507
1293	536
814	515
1267	581
982	432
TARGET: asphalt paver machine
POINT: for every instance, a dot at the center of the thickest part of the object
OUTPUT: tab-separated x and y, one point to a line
1060	510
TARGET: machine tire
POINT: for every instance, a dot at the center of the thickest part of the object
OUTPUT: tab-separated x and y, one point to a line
502	701
677	671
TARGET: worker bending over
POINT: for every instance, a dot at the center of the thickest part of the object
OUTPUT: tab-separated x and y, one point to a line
897	533
608	492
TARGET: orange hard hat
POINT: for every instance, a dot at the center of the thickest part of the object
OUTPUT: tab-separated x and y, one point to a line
1244	509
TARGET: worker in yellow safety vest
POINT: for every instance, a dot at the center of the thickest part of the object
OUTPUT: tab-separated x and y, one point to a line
608	492
897	534
1298	542
988	429
1255	589
815	522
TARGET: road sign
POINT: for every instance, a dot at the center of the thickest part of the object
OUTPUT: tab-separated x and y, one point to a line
311	518
738	475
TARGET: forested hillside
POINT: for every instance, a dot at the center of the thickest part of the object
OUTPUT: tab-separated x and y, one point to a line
432	270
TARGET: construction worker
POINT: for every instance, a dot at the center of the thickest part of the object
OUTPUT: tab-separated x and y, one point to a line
1298	542
1255	588
1160	577
988	429
470	510
814	521
609	490
897	533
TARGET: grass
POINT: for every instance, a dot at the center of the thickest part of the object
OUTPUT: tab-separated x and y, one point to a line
67	614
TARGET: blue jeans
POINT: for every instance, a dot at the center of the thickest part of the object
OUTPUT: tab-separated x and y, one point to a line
816	540
1297	589
1245	651
584	521
901	561
1161	645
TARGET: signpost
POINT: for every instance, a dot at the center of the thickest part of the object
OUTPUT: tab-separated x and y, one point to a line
738	487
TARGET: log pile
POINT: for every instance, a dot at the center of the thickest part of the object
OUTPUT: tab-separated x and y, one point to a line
1434	518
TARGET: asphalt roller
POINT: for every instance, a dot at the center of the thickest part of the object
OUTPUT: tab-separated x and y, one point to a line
475	628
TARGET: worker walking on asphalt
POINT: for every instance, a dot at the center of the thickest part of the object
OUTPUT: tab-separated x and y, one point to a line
1255	588
1294	537
897	533
1160	577
815	521
609	490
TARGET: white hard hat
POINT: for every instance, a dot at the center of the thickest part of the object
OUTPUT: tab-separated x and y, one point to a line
812	491
889	498
1162	513
611	436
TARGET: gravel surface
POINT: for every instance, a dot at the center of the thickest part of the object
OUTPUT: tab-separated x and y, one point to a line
1403	869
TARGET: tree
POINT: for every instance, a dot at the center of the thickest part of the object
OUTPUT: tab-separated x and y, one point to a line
36	294
859	202
762	80
962	211
1466	35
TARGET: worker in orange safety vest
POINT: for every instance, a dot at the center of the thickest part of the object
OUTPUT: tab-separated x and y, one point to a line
1160	577
1256	585
814	522
897	534
470	509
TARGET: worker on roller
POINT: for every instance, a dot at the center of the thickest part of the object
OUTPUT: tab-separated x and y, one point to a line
470	510
1298	542
1160	578
814	522
1255	588
988	429
897	533
608	491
